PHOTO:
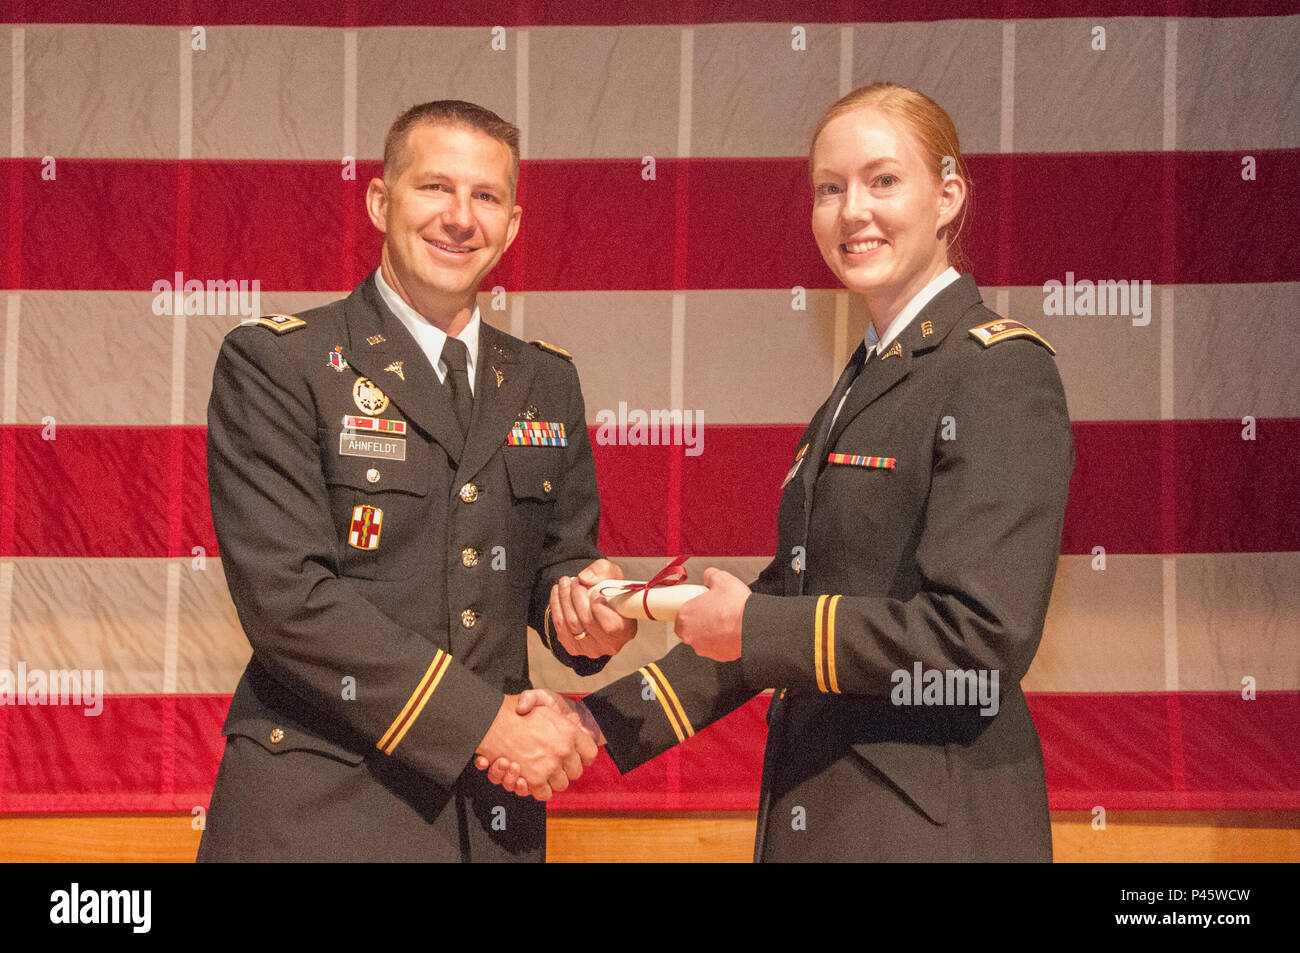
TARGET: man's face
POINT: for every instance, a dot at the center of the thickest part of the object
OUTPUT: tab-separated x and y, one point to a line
448	218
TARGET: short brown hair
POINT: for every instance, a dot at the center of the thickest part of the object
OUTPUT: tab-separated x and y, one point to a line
446	112
933	129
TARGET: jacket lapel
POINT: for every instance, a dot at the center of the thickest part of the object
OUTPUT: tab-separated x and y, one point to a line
811	467
502	381
378	343
923	333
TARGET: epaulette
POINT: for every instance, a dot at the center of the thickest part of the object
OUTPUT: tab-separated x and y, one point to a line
281	323
557	351
1004	329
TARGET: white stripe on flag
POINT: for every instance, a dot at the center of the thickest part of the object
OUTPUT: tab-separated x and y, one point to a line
841	336
350	93
17	89
685	94
521	90
185	141
1006	139
171	626
846	59
517	314
1169	600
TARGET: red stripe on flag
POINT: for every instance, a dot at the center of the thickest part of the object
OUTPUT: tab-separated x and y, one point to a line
103	491
283	223
1107	749
487	13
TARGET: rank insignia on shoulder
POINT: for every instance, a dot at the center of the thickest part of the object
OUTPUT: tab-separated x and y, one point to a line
366	524
337	360
854	460
558	351
281	323
537	433
1003	329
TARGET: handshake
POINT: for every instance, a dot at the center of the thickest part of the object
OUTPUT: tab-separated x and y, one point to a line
540	741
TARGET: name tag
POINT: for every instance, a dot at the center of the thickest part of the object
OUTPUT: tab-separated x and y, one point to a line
385	448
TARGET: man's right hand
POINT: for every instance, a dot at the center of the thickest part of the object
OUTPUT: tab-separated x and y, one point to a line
509	774
544	748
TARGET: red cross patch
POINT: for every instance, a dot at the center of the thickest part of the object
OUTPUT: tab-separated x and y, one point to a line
366	523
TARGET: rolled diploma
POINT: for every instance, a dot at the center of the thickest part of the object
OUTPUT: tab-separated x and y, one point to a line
665	601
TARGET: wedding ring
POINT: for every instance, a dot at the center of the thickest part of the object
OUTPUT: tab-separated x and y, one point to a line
579	636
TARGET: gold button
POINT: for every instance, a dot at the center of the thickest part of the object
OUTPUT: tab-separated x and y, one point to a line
546	485
469	493
468	618
372	475
469	556
277	735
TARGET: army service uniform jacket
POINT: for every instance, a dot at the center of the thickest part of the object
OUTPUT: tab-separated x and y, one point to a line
919	534
384	569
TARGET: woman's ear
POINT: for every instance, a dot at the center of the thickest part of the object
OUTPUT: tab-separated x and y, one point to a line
952	196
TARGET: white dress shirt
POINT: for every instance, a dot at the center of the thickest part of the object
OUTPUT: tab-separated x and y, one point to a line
877	344
429	337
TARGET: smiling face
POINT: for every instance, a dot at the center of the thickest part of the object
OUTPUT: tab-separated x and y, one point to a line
447	219
879	209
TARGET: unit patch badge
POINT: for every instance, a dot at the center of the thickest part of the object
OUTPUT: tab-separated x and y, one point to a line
366	523
368	397
337	360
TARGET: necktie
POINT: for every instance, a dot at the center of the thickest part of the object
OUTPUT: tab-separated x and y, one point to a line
455	355
841	392
847	377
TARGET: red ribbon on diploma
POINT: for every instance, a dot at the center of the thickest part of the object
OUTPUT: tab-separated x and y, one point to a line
670	575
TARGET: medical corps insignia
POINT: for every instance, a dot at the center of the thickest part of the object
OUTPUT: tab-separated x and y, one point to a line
366	523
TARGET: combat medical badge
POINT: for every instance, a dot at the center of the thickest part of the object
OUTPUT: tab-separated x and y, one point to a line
368	397
366	523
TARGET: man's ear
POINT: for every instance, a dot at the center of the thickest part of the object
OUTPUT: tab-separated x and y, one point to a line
377	204
513	228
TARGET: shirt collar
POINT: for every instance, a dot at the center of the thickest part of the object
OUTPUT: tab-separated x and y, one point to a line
427	334
910	311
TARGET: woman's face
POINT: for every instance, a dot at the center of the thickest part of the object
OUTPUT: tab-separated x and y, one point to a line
878	208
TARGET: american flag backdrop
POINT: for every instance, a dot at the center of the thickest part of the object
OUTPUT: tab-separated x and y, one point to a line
665	243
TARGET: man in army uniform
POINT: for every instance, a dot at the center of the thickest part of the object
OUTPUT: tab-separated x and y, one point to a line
396	488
